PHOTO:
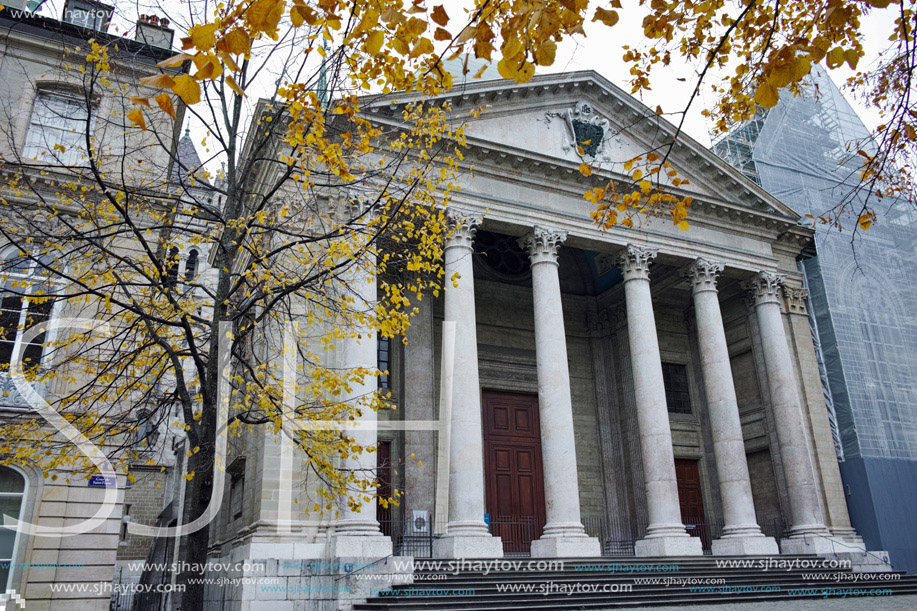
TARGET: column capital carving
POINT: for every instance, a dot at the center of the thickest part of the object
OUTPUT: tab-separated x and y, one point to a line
765	287
795	300
702	273
634	262
542	244
462	225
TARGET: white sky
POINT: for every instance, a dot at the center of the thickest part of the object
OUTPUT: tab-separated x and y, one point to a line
600	50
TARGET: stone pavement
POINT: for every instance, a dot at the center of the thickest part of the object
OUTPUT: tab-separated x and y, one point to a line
887	603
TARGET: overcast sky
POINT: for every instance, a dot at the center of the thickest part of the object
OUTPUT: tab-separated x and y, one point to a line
600	50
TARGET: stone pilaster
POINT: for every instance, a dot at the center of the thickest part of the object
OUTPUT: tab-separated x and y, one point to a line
808	533
563	535
665	535
466	533
741	534
356	531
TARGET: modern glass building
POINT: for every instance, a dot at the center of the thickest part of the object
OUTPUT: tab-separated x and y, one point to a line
863	303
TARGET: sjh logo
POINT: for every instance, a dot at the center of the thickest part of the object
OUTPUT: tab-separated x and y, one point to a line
11	600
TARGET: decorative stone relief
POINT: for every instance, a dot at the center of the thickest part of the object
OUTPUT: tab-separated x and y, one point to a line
461	225
543	244
635	262
765	287
795	300
702	274
587	133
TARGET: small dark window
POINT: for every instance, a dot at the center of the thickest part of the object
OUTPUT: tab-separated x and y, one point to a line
675	378
191	266
171	266
236	489
384	361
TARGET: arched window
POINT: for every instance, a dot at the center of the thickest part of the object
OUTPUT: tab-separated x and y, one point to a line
191	265
12	495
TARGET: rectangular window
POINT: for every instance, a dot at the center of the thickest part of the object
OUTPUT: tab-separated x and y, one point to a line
87	14
384	361
57	129
15	312
677	397
236	489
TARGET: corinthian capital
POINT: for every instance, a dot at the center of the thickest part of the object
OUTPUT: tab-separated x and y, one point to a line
795	300
461	226
702	274
543	244
765	287
635	262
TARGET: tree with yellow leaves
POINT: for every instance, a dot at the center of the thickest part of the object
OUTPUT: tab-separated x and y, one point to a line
202	286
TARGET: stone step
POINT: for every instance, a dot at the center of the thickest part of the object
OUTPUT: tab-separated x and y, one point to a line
428	594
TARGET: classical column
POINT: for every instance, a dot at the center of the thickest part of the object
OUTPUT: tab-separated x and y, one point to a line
665	535
356	531
466	533
563	535
741	533
808	533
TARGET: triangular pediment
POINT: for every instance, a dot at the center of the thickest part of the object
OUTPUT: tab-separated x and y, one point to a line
571	118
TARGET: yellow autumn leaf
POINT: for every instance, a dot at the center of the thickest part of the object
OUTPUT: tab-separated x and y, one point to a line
585	169
374	42
187	89
683	225
140	100
545	52
162	81
203	36
442	34
164	100
439	15
835	57
236	42
175	60
766	95
607	17
136	117
234	85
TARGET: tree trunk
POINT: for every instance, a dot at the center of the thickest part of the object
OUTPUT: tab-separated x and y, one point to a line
194	554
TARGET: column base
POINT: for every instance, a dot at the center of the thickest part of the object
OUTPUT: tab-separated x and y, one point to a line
468	546
665	545
566	547
745	546
817	543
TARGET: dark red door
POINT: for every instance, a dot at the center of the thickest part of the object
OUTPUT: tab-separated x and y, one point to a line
514	480
691	499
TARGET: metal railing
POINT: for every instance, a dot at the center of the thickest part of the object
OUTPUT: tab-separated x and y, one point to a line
517	534
409	538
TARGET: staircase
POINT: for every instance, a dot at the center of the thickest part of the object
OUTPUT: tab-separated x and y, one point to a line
606	583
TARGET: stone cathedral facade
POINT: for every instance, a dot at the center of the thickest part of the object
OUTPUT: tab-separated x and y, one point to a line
578	391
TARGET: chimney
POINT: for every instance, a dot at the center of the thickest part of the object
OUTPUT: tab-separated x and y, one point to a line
154	31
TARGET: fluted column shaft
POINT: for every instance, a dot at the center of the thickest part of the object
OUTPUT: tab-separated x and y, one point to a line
797	464
723	411
555	408
665	535
649	394
466	449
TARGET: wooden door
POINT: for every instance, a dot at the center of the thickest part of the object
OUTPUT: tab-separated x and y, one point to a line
691	499
384	489
514	480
